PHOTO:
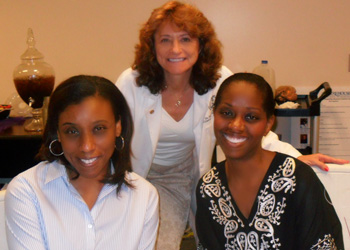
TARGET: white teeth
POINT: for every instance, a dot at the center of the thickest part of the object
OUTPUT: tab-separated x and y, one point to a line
176	59
88	161
234	139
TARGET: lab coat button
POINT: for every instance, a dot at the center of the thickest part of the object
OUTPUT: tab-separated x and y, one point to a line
151	111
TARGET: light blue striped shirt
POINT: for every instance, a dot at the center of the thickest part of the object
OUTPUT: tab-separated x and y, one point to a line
44	211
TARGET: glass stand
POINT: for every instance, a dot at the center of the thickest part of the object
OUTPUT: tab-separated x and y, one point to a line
35	124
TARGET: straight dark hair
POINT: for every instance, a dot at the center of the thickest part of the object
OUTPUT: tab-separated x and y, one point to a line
73	91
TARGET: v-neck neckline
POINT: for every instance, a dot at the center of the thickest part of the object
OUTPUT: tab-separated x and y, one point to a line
179	121
254	208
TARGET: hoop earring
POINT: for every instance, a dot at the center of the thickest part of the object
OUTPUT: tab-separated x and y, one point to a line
50	148
119	143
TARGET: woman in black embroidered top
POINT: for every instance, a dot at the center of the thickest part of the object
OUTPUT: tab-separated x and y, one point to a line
259	199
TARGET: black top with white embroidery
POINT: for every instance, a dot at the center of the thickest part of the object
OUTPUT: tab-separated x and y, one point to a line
292	211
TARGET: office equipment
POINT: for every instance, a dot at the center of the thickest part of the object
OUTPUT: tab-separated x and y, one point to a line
300	126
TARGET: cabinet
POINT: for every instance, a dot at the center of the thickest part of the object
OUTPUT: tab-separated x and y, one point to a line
18	149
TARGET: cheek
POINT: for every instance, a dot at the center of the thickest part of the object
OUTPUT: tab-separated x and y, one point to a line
107	144
218	124
259	129
159	50
68	145
196	49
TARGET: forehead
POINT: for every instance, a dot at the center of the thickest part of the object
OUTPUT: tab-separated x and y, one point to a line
241	93
169	27
90	108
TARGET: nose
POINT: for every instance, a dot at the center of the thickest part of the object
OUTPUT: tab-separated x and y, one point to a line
237	123
87	143
176	46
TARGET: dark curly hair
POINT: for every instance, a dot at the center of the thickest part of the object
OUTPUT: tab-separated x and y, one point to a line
190	19
73	91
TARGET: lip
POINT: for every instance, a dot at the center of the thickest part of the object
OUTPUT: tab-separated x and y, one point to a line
174	60
88	161
235	140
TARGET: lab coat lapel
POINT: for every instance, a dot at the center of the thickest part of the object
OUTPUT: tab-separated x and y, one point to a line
203	128
153	115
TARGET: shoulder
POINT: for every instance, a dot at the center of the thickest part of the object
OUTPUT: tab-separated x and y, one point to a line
127	79
225	72
141	185
126	83
33	179
304	174
213	177
31	174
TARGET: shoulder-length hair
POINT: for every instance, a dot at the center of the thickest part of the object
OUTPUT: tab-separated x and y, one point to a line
205	72
73	91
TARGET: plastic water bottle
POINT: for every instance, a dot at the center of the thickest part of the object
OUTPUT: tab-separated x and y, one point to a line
267	72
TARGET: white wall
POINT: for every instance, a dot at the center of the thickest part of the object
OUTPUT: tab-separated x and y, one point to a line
306	42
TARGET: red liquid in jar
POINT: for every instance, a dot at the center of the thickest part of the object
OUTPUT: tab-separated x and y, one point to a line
36	88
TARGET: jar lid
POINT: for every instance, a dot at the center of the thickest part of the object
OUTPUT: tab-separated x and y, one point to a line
31	52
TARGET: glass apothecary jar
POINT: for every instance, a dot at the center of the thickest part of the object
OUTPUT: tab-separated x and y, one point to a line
34	80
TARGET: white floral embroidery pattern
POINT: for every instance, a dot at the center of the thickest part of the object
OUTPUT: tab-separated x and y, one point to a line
326	244
268	213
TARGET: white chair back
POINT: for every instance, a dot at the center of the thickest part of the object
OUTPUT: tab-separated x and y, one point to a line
3	241
337	183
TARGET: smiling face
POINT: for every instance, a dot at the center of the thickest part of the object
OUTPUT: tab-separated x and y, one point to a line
87	133
176	50
240	121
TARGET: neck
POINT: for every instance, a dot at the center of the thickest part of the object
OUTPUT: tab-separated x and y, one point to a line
88	190
177	83
249	166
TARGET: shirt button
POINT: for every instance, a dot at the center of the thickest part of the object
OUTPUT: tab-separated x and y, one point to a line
89	226
151	111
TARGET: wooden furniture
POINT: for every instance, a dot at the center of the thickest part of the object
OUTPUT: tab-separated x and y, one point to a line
17	150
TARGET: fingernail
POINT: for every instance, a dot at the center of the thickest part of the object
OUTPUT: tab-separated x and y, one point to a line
327	169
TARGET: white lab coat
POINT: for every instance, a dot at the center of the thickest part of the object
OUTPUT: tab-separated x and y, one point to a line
146	112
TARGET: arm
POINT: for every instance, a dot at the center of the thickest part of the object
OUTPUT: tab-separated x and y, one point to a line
24	229
150	228
320	160
270	142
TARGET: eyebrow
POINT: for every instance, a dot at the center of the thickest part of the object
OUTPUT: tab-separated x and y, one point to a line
68	123
71	123
250	108
181	33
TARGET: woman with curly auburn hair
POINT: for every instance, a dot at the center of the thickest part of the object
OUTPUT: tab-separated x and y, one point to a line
205	71
170	90
177	68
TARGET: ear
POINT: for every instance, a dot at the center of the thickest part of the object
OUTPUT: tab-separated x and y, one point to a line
118	128
270	123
